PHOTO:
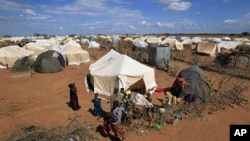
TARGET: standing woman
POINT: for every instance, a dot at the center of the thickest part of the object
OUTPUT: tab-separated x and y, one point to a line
73	97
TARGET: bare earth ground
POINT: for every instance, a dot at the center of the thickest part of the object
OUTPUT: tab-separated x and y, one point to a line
42	100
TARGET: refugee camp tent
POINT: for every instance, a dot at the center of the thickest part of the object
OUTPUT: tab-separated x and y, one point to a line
49	62
196	39
57	48
158	55
44	43
226	39
228	45
94	44
207	48
140	44
35	48
153	40
10	54
173	43
115	70
169	41
73	53
66	40
84	41
192	81
216	40
114	40
188	43
241	40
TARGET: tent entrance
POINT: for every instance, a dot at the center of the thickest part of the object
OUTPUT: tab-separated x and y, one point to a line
139	87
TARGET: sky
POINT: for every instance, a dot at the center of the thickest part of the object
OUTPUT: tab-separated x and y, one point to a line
65	17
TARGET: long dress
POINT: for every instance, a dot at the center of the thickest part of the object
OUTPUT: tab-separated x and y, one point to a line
97	106
74	99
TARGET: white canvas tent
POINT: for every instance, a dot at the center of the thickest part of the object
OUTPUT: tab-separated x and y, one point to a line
153	40
35	48
241	39
228	45
73	53
226	39
10	54
94	44
196	40
173	43
208	48
57	48
44	43
140	44
115	70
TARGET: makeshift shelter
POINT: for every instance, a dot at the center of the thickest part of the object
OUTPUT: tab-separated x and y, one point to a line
73	53
207	48
158	54
115	70
192	81
49	62
10	54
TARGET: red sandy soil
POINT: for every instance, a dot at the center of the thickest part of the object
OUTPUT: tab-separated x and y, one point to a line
42	100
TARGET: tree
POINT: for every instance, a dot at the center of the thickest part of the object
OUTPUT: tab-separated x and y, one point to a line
245	33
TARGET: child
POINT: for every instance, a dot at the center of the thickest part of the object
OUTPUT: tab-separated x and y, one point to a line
115	119
97	105
106	123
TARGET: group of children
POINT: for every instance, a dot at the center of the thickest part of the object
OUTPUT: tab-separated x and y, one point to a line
120	104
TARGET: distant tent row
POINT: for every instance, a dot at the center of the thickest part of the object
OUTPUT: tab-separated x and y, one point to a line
45	59
212	48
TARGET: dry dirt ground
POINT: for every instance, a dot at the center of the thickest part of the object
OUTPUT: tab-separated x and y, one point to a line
42	100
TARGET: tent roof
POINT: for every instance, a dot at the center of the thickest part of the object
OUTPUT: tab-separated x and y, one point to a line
104	60
17	51
122	64
34	47
72	49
